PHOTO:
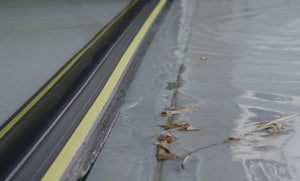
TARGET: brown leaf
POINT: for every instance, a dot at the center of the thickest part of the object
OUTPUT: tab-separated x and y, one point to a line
172	110
168	126
167	137
184	126
189	127
163	152
276	127
273	126
165	131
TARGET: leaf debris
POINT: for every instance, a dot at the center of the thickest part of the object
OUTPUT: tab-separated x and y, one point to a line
167	137
184	126
163	152
273	126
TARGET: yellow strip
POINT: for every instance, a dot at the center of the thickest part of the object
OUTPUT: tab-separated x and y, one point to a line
51	84
65	156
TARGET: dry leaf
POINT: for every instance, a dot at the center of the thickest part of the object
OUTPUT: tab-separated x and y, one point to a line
172	110
168	126
203	58
274	126
184	127
163	152
162	144
165	131
277	127
167	137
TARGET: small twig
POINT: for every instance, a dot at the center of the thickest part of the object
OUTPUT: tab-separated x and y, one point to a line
198	149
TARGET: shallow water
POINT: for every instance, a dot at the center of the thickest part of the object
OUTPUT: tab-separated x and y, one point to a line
267	71
259	41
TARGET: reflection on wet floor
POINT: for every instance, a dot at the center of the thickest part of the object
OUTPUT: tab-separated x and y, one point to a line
260	170
260	42
261	153
267	70
271	97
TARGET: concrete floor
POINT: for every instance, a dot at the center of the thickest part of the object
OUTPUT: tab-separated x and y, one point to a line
39	37
252	75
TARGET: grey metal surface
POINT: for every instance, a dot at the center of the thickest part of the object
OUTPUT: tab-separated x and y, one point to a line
252	75
38	37
51	141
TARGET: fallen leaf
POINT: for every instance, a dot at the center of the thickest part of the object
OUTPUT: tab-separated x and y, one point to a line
162	144
184	126
172	110
189	127
163	152
274	126
203	58
168	126
166	131
167	137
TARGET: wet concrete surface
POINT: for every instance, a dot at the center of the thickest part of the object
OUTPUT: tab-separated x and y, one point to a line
39	37
252	75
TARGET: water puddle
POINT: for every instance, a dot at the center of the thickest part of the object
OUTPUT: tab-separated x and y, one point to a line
267	71
262	154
